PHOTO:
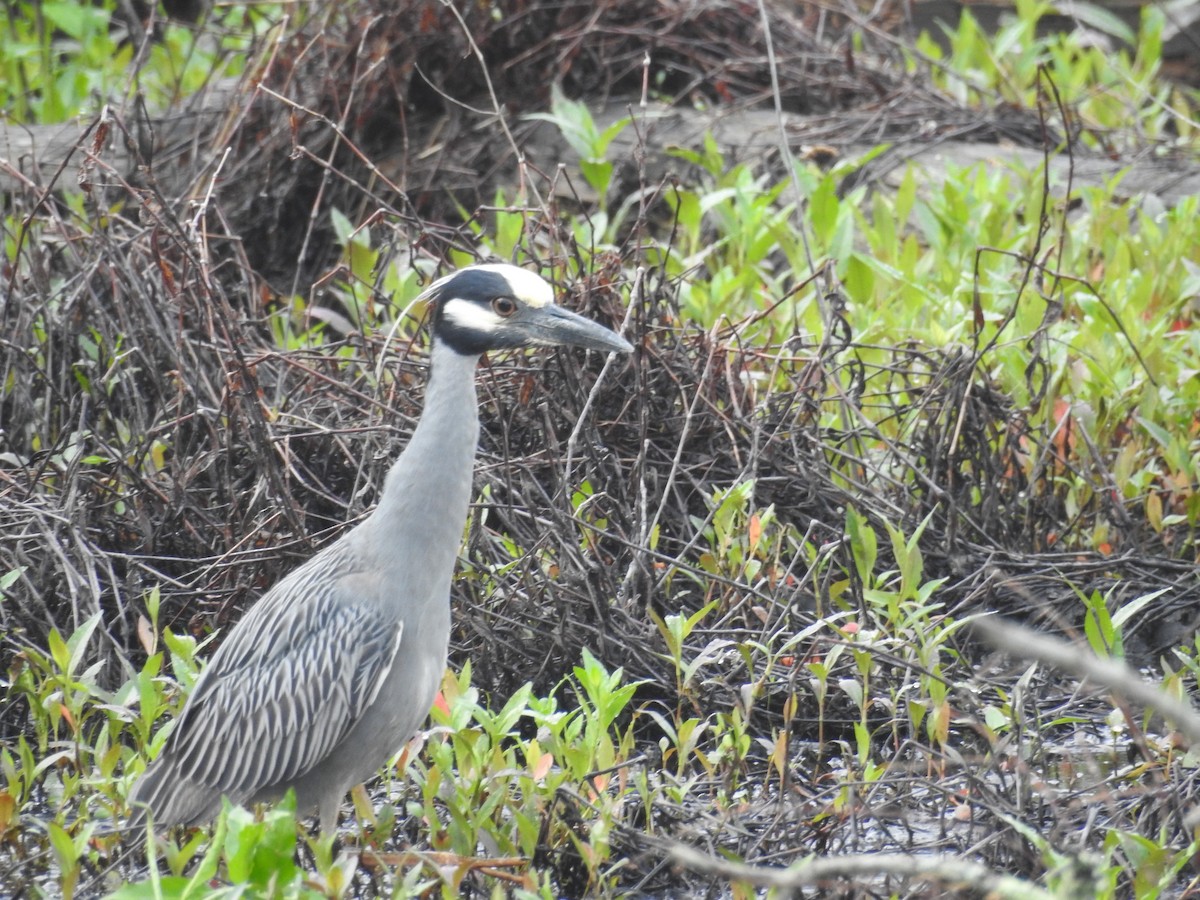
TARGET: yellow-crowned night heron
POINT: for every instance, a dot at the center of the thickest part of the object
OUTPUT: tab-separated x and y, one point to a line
335	668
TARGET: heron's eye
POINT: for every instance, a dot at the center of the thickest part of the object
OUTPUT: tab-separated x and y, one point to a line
504	306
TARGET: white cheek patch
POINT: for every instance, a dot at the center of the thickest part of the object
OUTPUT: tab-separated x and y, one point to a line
472	316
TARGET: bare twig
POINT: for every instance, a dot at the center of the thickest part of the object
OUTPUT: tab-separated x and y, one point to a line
1110	673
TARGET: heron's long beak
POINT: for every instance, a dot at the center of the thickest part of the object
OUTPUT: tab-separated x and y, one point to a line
555	326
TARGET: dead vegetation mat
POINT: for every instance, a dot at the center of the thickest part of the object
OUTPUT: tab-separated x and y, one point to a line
156	435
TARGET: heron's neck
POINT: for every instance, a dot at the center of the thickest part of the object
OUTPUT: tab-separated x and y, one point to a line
427	492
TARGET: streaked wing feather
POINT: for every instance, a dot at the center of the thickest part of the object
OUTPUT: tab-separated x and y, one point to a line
266	713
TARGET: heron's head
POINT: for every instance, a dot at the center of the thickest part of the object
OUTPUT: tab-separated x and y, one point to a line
499	307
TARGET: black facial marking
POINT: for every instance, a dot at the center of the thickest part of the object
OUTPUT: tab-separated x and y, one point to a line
474	286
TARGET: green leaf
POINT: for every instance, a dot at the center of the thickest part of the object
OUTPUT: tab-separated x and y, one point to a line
78	20
574	121
1130	609
607	136
506	720
598	175
59	652
241	839
262	853
1098	627
9	578
996	719
862	739
863	545
1160	434
860	278
1099	18
710	200
173	887
77	643
198	884
275	855
361	258
62	845
342	226
823	207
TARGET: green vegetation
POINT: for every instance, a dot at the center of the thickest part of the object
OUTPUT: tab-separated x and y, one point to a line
544	793
1118	97
63	59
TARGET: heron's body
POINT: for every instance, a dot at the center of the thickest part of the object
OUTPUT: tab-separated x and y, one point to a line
335	668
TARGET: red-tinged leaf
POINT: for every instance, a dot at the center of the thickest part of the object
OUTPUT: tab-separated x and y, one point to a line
1062	409
168	278
542	768
754	529
941	723
99	137
440	702
145	635
8	807
1064	434
1154	511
